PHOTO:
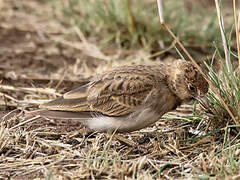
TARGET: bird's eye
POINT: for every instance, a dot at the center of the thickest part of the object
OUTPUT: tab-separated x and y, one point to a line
191	88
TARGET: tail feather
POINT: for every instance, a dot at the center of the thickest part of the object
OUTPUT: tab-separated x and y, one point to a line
78	104
81	116
66	115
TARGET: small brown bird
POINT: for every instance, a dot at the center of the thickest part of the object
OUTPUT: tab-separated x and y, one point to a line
129	98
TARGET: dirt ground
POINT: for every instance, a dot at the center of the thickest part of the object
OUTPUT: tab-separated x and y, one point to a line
41	58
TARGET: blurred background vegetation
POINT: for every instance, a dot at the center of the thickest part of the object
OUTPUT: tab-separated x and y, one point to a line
135	23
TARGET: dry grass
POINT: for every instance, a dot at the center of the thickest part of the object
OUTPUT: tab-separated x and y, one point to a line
42	57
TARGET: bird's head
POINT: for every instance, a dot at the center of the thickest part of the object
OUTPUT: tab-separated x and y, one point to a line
186	81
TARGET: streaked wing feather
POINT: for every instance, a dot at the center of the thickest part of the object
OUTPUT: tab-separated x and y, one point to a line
111	107
117	98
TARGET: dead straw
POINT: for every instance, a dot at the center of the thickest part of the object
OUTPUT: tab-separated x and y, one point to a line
224	40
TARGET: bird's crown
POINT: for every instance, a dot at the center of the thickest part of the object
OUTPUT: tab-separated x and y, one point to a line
187	82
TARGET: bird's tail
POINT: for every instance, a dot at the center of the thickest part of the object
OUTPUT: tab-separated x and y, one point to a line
81	116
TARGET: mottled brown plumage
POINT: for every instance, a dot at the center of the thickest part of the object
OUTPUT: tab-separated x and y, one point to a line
130	97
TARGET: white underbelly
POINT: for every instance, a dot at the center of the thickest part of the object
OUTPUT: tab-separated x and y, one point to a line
134	121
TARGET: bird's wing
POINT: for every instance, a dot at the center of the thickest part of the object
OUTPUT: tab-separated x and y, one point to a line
115	93
116	98
120	92
75	100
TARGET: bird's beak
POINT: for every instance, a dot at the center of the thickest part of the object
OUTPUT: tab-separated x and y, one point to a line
203	101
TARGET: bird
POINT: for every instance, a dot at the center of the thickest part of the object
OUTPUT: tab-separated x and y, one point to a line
129	98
